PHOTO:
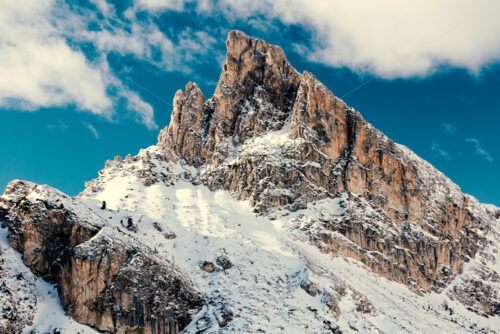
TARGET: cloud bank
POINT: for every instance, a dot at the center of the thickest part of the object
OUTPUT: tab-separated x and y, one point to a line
387	38
40	69
43	65
393	38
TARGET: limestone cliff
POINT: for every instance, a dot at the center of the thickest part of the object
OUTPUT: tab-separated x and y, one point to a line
424	230
104	278
270	207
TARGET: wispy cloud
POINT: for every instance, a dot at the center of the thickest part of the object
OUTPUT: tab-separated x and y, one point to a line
450	128
479	149
60	125
39	69
92	130
435	147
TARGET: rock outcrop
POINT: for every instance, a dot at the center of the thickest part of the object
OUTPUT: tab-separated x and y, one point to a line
256	90
115	287
41	224
104	278
282	140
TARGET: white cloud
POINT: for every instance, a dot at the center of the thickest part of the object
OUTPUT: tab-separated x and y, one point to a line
146	42
435	147
390	38
161	4
479	149
38	68
450	128
60	125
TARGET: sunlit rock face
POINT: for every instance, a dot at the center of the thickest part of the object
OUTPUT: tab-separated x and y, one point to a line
254	95
282	140
115	287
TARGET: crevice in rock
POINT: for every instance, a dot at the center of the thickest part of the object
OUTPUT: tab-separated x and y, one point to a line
351	123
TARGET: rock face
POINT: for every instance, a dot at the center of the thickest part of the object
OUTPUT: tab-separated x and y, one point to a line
110	285
256	90
282	140
41	226
300	156
104	278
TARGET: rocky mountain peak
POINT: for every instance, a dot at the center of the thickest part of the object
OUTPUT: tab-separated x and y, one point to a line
270	207
283	140
254	95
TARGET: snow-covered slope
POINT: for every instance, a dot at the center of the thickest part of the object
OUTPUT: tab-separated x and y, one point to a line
280	281
271	258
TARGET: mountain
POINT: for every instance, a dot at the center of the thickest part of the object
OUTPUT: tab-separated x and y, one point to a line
272	207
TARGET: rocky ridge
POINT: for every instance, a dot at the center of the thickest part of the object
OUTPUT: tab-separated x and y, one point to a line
104	278
282	140
329	190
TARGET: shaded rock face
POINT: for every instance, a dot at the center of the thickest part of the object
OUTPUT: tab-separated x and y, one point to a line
423	229
114	287
41	229
104	280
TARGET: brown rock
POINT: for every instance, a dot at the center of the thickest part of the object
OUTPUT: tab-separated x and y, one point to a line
420	228
257	83
40	229
309	287
209	267
224	262
111	286
170	236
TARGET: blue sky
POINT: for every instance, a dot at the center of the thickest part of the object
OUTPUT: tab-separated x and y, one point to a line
81	82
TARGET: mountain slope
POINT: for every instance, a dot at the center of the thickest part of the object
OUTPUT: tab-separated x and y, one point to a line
276	208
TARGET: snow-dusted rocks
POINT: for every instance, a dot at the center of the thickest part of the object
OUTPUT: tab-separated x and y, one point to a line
42	221
115	286
282	140
255	93
104	278
272	207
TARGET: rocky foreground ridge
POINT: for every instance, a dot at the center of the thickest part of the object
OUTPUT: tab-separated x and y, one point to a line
303	160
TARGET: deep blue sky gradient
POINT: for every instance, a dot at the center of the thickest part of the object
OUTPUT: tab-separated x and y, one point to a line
54	146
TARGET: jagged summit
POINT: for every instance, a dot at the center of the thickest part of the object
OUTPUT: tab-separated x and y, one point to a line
282	140
254	95
270	207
